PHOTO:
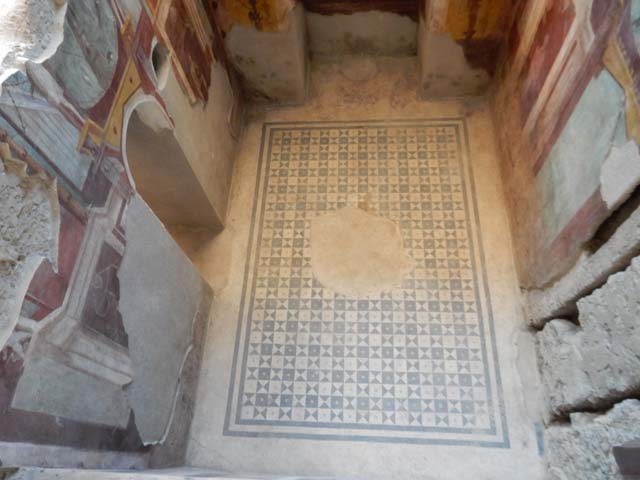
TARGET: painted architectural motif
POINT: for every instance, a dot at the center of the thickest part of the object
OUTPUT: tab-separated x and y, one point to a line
570	79
66	119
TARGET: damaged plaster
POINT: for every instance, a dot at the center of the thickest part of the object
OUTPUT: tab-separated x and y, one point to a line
356	253
620	174
29	224
597	363
209	156
30	30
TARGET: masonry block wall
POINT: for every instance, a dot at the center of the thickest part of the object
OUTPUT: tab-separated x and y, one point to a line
569	125
88	274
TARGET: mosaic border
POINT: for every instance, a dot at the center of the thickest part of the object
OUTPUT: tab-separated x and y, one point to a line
374	433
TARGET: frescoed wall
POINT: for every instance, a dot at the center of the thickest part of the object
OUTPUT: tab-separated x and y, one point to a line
71	358
567	114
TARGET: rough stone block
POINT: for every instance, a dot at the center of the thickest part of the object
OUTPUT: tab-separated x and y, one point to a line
620	174
583	450
29	224
589	272
598	363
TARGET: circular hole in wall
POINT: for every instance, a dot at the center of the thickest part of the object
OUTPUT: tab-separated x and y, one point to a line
160	60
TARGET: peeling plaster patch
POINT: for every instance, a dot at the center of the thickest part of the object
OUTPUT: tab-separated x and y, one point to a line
355	253
571	172
273	65
620	174
359	69
30	30
29	226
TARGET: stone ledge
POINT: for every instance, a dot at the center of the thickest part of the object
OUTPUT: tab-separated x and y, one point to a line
583	449
595	364
589	272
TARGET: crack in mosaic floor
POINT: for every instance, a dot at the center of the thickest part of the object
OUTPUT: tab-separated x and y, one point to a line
417	364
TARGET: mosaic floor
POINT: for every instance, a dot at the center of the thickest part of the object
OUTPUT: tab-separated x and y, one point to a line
417	364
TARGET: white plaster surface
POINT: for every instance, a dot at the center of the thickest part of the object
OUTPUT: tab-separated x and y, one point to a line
583	448
597	363
589	272
164	474
620	174
210	155
389	95
160	292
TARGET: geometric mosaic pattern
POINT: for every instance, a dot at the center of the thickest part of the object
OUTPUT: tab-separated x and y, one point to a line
417	364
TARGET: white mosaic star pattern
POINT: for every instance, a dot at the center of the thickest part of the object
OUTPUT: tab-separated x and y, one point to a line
416	364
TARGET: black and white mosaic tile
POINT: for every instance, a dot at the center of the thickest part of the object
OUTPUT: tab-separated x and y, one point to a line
417	364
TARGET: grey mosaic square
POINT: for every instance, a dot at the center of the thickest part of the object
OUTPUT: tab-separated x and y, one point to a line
417	364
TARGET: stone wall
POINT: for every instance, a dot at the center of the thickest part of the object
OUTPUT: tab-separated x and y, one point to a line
590	368
582	449
596	363
81	255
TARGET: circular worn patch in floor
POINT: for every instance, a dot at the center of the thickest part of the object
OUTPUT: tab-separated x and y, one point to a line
359	70
357	254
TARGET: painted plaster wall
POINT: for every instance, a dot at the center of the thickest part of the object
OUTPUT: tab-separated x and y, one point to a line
361	33
567	115
163	175
77	363
567	107
29	222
